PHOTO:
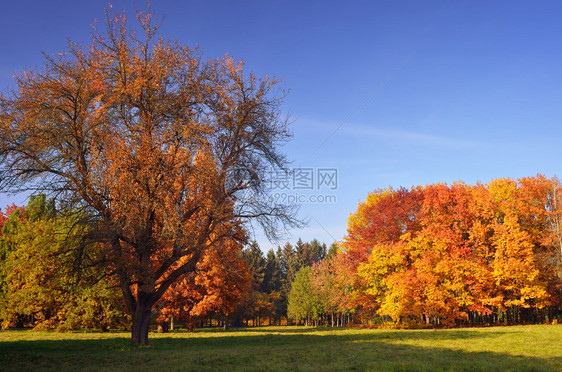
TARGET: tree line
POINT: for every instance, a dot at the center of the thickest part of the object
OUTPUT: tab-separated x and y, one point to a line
48	283
443	255
40	283
435	255
457	254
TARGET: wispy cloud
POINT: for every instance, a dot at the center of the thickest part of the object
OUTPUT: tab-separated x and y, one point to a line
381	133
408	137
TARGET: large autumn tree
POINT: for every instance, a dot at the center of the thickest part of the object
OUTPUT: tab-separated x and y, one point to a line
165	151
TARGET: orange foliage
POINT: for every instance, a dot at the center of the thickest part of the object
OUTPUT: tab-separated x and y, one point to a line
161	147
217	286
440	254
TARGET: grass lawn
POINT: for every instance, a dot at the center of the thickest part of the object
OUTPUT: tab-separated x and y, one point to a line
519	348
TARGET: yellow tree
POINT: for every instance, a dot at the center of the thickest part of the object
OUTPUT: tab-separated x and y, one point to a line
520	227
160	147
39	284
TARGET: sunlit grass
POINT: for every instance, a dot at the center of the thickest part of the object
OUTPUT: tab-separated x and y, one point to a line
520	348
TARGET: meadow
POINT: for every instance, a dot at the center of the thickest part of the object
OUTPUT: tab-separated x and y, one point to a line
517	348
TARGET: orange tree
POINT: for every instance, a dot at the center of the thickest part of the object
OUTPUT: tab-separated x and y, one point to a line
460	252
160	147
217	286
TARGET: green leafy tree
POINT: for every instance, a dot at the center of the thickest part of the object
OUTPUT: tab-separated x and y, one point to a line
303	302
42	285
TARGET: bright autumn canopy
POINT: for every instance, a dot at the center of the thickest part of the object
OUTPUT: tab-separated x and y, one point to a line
458	254
164	152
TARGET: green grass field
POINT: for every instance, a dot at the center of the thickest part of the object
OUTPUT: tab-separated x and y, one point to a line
520	348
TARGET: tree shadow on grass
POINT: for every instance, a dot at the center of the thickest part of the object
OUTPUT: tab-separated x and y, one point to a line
382	350
452	333
286	329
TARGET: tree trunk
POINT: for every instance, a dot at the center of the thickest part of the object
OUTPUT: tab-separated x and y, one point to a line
172	323
141	321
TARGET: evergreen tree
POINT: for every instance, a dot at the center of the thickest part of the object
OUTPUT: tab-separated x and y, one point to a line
272	273
317	251
288	266
254	257
309	253
288	262
332	251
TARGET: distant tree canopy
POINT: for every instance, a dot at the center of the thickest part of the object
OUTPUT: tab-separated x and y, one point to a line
165	154
441	255
458	254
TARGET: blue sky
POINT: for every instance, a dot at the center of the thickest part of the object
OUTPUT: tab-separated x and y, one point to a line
395	93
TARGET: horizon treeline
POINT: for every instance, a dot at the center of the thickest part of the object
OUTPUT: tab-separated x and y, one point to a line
443	255
427	256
